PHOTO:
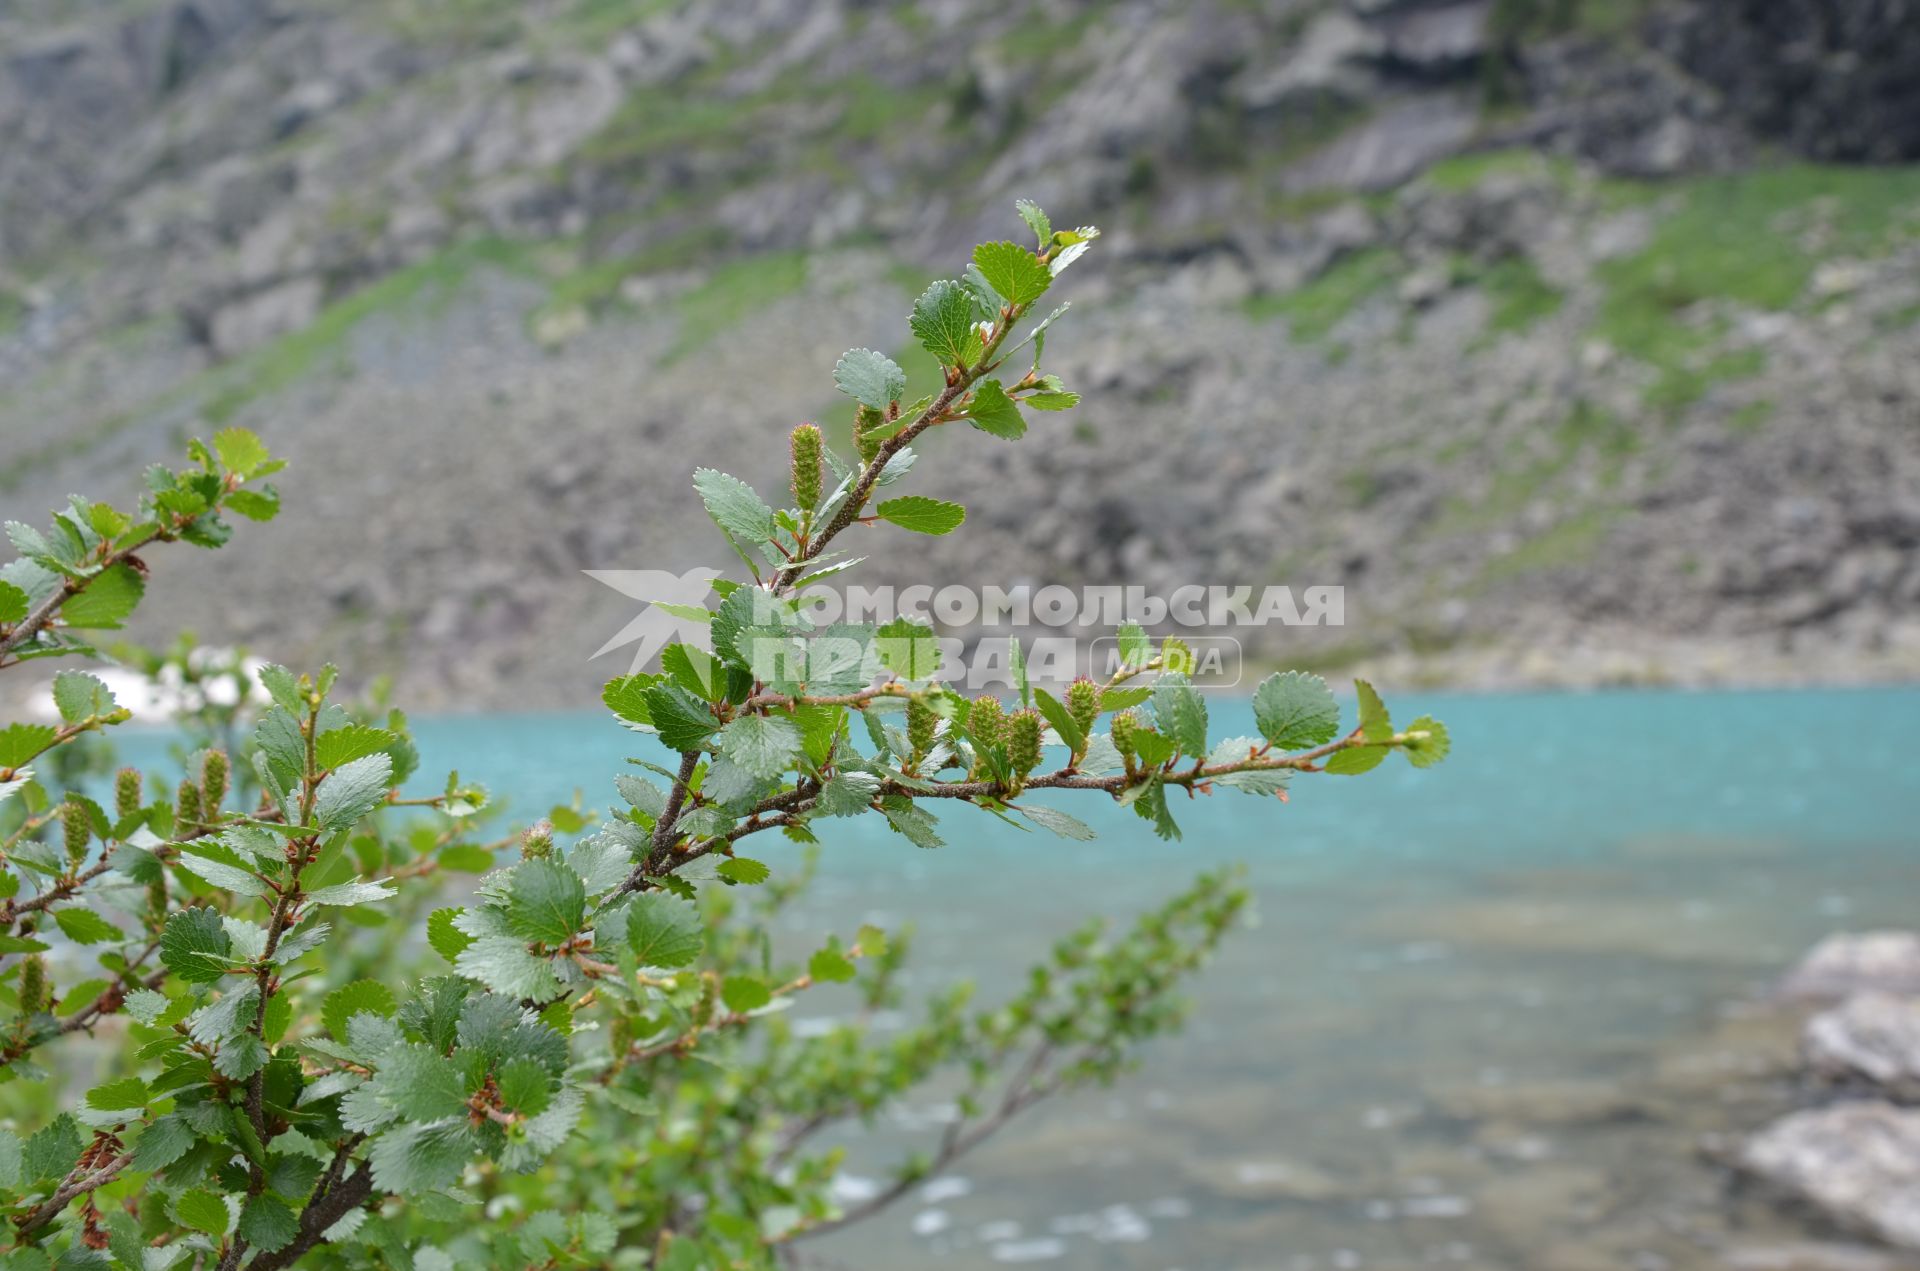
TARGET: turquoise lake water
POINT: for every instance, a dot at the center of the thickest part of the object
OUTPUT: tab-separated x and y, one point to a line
1486	1015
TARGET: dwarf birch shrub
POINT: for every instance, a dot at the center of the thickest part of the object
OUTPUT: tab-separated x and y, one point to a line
266	1013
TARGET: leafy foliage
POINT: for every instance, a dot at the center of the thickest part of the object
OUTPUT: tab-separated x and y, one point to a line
282	1095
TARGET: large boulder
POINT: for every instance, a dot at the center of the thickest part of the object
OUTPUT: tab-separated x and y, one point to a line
1855	1164
1849	963
1872	1038
1834	79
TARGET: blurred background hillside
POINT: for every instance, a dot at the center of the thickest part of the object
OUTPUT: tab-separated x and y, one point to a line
1579	339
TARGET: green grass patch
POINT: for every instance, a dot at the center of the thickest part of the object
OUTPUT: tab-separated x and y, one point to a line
1753	239
1574	541
1314	310
1753	416
282	363
1461	173
1520	296
1586	429
732	292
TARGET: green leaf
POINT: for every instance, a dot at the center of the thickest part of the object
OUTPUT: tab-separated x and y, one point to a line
664	930
190	936
420	1083
1015	272
52	1151
267	1224
942	321
420	1158
240	451
830	966
847	794
1135	649
922	515
743	993
642	794
1066	826
525	1086
734	507
1064	724
119	1096
77	695
218	873
360	997
626	697
908	649
913	821
992	411
19	743
1181	713
202	1211
762	744
545	902
1375	723
1036	221
871	942
447	940
1356	759
256	505
1424	752
14	603
743	869
466	858
353	790
1296	710
356	741
684	721
163	1143
109	597
347	895
83	926
1053	400
870	378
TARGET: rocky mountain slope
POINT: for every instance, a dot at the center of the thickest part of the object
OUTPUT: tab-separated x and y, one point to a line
1576	338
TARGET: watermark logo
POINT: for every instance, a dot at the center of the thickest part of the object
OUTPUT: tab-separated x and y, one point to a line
656	626
855	634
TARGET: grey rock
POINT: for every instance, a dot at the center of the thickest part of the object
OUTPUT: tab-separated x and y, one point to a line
1855	1164
1872	1038
1845	964
265	315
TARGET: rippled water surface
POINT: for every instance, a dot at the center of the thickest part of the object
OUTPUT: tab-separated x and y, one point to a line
1488	1017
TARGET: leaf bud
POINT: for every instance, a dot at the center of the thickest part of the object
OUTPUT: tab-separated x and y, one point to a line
77	828
126	793
805	447
987	721
1083	703
214	773
1023	741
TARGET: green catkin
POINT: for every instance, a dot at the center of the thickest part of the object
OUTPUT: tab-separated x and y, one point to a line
805	447
1083	703
186	809
33	985
214	774
1023	741
126	793
1125	725
987	721
77	828
537	842
157	897
921	722
865	420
